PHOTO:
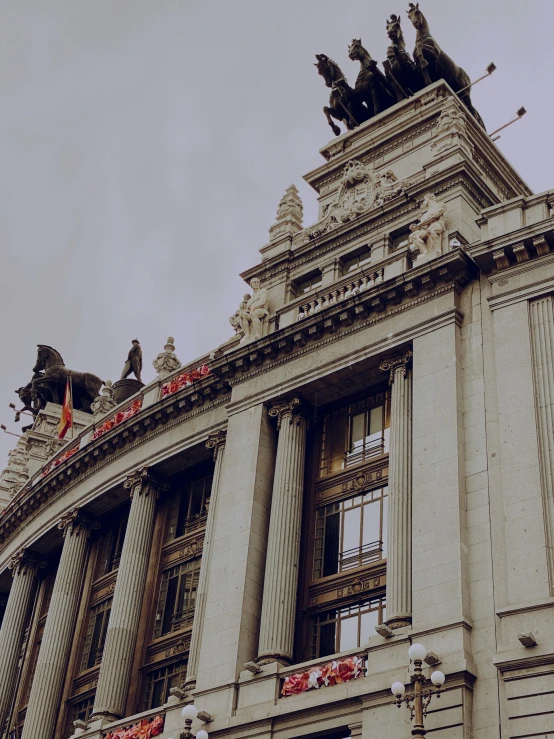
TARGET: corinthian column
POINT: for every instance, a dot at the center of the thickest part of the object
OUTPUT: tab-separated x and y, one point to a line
542	346
24	568
283	546
216	441
399	535
59	630
121	636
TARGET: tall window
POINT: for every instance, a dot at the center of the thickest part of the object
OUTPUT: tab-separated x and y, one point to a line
177	598
344	587
353	261
96	634
355	433
168	636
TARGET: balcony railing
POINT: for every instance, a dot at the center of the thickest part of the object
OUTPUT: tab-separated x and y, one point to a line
354	286
360	556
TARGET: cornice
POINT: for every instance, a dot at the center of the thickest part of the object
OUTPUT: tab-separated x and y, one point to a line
149	423
376	304
497	254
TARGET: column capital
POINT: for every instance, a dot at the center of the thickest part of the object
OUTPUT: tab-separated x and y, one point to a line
394	362
77	521
25	561
216	441
293	409
145	483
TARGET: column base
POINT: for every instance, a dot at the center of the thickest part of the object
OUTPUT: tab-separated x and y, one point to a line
267	659
399	620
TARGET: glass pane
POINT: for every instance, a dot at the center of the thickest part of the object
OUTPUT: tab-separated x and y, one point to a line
332	543
196	502
351	531
385	524
358	432
157	693
372	523
170	605
327	639
376	420
370	620
348	633
336	429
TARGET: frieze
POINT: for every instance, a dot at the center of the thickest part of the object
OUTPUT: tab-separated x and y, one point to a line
167	647
185	547
359	582
359	479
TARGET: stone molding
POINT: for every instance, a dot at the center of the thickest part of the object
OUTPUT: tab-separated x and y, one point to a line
77	521
396	361
25	561
216	441
143	482
294	409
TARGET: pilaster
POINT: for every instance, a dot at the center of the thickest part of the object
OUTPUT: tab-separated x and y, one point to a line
283	547
399	535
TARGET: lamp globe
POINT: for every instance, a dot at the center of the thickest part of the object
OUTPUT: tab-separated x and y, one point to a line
438	678
201	734
417	652
190	712
398	689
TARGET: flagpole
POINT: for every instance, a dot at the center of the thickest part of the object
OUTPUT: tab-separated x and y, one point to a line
71	400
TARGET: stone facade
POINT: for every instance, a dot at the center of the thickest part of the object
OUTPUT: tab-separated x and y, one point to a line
380	456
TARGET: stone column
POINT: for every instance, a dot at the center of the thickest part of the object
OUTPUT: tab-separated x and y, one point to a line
59	630
542	350
216	441
121	636
283	546
24	566
399	535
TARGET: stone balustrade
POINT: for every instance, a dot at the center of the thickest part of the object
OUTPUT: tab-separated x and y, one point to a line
341	291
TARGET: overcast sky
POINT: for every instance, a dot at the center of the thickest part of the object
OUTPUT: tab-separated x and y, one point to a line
145	144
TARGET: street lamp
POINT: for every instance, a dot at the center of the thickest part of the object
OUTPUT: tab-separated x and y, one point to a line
189	713
420	696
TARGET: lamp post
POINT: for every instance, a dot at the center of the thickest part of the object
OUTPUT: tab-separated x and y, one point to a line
420	696
189	713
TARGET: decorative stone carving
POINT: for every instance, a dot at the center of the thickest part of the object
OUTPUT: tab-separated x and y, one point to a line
145	483
451	130
16	473
24	561
289	215
105	402
396	361
77	521
216	440
166	362
292	408
428	233
248	320
361	189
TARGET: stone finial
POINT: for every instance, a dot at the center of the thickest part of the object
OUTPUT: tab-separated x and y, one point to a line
166	362
104	403
289	215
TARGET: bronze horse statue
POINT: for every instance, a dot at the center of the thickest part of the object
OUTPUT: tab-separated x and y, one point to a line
402	67
52	383
371	84
345	104
435	65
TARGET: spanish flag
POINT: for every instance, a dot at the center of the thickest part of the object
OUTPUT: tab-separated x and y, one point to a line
66	419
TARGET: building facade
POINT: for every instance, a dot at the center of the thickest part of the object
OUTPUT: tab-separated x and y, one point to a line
365	465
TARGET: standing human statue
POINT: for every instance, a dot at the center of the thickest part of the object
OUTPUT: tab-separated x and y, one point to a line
257	308
134	361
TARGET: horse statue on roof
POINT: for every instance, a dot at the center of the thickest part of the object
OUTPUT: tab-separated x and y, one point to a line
345	104
435	65
51	385
371	84
401	65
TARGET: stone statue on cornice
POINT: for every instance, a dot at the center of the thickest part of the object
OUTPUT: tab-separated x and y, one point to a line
428	232
249	318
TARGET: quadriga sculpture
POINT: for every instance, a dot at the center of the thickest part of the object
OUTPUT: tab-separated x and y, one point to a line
51	385
435	65
371	84
345	104
402	66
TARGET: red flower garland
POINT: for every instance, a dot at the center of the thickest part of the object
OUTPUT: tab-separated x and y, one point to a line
57	462
332	673
184	380
118	418
145	729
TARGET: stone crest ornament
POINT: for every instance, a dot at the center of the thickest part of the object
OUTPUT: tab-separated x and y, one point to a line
361	189
105	402
428	233
166	362
248	320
